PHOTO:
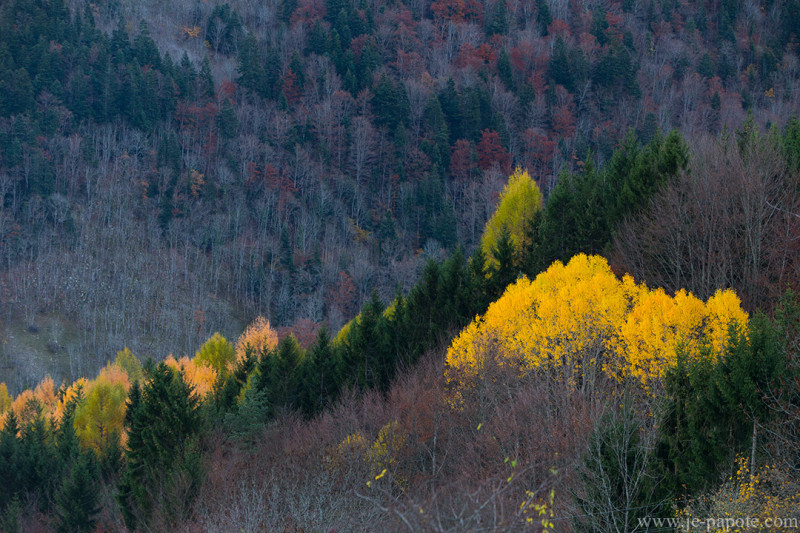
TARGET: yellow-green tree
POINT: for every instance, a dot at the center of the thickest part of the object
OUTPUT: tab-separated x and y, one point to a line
128	362
519	201
217	353
5	398
100	416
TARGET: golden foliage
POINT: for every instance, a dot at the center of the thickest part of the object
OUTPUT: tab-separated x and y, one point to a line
519	201
71	393
582	319
41	401
25	407
382	455
195	373
761	497
259	335
45	392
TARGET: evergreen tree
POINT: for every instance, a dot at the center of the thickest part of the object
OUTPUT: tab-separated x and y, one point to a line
367	361
498	22
504	268
285	377
543	16
77	500
66	437
9	460
320	383
207	89
504	69
163	423
390	103
713	407
9	519
39	465
252	74
436	125
418	323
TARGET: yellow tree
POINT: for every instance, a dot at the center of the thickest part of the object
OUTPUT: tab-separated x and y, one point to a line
196	373
259	336
581	319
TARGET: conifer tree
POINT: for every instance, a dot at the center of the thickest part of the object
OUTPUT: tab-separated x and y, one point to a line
9	460
319	378
163	423
66	436
503	270
285	379
77	500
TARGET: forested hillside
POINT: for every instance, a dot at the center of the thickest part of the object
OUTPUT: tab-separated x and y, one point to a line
330	266
495	394
168	170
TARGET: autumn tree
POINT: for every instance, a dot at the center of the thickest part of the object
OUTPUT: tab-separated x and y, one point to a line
490	151
515	210
217	352
259	336
610	330
100	416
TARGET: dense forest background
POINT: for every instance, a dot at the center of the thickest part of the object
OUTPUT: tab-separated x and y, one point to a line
171	170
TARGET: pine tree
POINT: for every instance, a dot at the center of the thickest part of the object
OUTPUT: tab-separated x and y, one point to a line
207	89
66	437
77	500
285	379
252	75
39	464
714	407
320	383
504	270
9	460
504	69
9	519
163	423
367	361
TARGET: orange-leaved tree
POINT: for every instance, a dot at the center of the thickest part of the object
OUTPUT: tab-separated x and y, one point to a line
259	336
